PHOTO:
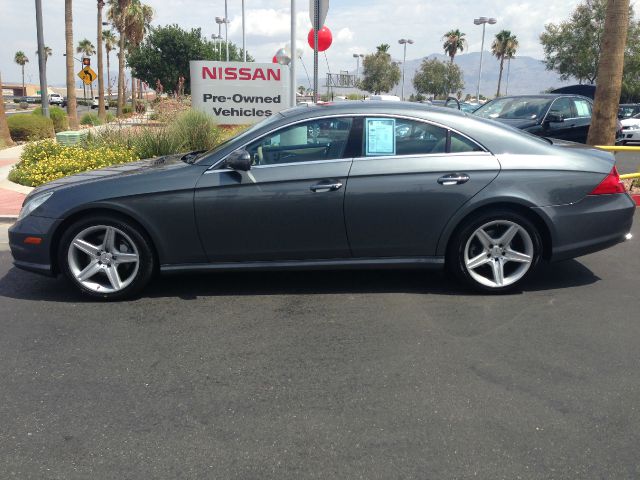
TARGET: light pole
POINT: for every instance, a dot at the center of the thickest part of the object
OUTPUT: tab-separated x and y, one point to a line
244	47
217	39
404	42
220	21
226	28
506	92
482	21
358	56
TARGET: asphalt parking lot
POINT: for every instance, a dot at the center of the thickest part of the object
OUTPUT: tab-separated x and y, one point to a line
373	375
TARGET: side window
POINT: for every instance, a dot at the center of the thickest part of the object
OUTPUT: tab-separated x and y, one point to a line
460	144
562	106
583	107
389	136
320	139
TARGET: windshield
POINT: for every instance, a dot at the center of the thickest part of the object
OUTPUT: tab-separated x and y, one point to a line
245	133
521	108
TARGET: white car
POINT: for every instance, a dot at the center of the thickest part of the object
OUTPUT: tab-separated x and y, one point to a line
630	129
96	100
56	99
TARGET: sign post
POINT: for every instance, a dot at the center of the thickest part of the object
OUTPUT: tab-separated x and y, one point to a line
317	13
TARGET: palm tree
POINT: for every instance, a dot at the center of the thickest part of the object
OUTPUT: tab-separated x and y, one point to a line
504	46
383	48
47	53
454	42
5	135
86	48
21	59
117	16
610	68
101	110
138	22
110	42
72	108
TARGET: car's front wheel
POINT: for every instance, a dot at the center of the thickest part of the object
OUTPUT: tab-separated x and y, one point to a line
495	252
106	257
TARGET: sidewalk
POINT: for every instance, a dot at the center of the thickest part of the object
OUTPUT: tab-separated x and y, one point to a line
11	194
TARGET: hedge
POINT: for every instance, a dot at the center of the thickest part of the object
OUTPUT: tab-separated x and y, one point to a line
30	127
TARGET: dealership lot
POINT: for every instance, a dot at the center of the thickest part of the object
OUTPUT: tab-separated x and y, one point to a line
325	375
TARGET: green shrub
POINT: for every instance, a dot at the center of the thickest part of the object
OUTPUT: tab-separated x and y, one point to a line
153	142
30	127
154	116
90	118
58	116
195	130
45	161
110	117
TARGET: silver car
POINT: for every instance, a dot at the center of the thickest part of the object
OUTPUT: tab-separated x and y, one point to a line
351	185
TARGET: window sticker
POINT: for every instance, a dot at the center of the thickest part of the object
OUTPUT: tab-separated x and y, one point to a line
381	136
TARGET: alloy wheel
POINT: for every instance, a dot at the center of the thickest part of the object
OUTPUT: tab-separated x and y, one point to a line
499	253
103	259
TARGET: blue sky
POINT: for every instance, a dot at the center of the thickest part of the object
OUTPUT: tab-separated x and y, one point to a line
357	26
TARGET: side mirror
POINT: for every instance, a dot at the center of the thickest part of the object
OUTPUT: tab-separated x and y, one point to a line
554	118
239	160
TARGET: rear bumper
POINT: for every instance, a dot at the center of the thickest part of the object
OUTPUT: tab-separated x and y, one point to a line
595	223
34	258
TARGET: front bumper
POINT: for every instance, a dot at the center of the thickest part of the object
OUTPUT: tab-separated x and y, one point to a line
592	224
630	135
34	258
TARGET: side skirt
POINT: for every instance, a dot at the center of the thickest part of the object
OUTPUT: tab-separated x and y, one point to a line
430	263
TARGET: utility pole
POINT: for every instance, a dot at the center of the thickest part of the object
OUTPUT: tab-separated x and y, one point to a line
42	61
294	60
316	27
244	46
226	28
102	114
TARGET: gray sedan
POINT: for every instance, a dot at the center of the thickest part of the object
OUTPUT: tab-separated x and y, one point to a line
352	185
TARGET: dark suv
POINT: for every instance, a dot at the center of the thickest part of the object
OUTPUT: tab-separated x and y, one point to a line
567	117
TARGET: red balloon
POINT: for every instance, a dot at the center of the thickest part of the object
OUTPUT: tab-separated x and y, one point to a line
274	59
324	38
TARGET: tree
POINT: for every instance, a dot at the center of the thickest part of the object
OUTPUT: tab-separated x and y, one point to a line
110	42
572	48
610	69
301	90
21	59
5	134
72	109
379	73
47	53
86	48
117	15
454	42
437	78
102	113
138	22
165	52
504	46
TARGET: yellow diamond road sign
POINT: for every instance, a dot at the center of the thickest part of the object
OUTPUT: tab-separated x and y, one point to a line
87	75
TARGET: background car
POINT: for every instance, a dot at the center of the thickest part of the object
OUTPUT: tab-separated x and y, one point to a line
56	99
96	103
630	129
628	110
566	117
349	185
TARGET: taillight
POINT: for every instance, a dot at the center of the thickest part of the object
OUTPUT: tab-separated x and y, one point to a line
611	184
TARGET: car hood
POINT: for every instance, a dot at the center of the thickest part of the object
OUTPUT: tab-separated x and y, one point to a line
520	123
627	122
132	168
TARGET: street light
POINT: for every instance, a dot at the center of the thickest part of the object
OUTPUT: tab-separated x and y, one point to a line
404	42
358	56
225	21
482	21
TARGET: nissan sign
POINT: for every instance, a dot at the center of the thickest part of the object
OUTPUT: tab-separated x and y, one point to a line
239	93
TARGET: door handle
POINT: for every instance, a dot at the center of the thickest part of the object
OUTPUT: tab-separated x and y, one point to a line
453	179
325	187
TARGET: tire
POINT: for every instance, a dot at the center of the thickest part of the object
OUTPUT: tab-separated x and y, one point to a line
499	261
106	257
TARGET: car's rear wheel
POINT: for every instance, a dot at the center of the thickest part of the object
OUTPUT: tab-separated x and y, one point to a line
495	251
106	257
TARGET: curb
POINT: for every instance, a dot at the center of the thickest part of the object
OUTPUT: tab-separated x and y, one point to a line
8	218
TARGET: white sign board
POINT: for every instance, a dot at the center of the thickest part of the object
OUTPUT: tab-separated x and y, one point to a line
381	136
239	93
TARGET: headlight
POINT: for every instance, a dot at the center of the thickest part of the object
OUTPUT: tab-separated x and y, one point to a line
33	203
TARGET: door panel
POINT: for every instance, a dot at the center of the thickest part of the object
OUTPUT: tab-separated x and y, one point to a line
394	206
271	213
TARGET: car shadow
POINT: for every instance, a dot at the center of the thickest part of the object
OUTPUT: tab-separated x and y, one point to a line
22	285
